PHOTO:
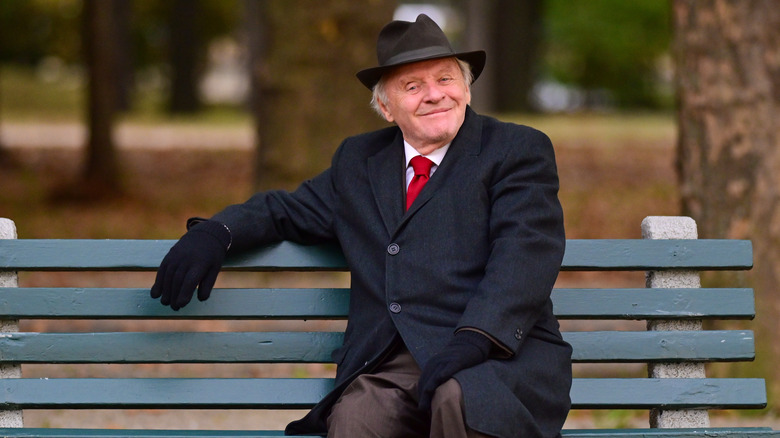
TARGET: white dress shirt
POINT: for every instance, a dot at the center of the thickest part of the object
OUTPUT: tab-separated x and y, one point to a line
436	156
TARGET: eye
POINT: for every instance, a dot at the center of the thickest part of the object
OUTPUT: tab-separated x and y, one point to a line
412	87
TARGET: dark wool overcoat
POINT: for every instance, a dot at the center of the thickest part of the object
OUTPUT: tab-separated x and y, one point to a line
481	247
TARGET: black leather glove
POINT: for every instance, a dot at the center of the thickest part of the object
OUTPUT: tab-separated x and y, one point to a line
194	261
467	349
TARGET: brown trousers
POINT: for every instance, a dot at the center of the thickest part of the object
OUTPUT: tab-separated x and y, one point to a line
383	404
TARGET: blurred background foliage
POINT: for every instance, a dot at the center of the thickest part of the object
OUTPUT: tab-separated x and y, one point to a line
601	54
616	51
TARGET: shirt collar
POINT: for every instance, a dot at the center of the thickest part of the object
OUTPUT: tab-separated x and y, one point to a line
436	156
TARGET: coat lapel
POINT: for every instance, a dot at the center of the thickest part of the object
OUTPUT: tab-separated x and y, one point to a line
386	175
466	143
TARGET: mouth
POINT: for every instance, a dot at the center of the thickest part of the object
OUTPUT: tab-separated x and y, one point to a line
435	112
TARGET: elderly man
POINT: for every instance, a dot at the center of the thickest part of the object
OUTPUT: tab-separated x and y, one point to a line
452	228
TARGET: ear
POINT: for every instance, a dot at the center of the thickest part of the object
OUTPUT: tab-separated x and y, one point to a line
385	111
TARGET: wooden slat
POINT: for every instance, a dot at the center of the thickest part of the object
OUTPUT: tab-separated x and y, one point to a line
316	347
178	393
684	393
709	432
645	303
146	255
162	393
590	254
135	303
170	347
648	255
662	346
322	303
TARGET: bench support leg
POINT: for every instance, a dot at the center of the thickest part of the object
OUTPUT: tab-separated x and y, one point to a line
9	279
663	227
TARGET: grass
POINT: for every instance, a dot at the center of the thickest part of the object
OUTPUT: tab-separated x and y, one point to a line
26	95
29	95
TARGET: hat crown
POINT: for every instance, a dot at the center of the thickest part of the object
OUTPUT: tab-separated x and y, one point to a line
403	42
406	39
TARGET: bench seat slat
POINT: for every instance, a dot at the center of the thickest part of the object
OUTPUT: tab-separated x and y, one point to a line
333	303
581	255
316	347
204	393
709	432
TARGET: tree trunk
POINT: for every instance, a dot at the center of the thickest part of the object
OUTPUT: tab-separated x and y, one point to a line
3	151
728	78
517	35
309	98
184	54
101	171
511	33
123	11
256	34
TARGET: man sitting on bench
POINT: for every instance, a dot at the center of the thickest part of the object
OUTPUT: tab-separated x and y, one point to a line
452	229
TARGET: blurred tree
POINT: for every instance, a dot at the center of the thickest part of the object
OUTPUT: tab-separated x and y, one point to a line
177	35
3	152
101	176
727	54
517	33
308	98
511	32
39	29
123	11
607	45
186	56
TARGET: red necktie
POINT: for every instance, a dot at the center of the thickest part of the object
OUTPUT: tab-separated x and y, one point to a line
422	170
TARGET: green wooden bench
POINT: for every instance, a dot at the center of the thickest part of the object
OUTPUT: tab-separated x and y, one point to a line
673	345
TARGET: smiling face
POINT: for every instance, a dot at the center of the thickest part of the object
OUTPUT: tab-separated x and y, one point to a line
427	100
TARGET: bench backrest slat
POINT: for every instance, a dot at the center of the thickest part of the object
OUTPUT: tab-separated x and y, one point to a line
316	347
587	255
333	303
215	393
667	346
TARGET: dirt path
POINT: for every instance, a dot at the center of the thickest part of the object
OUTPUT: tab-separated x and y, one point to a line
137	136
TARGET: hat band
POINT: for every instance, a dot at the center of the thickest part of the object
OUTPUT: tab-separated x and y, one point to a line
419	54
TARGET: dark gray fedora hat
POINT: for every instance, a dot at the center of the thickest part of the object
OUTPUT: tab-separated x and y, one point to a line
404	42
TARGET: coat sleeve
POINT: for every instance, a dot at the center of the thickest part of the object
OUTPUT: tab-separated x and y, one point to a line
527	242
303	216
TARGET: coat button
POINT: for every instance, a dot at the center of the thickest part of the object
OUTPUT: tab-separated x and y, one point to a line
518	334
393	249
395	307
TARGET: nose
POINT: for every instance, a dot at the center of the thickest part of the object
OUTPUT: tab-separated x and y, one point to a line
434	92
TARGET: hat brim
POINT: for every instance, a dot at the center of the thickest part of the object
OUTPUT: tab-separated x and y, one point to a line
476	60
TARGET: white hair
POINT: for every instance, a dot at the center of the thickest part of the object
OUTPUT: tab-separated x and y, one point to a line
379	94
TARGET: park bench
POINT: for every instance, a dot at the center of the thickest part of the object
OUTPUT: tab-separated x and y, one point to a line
670	349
